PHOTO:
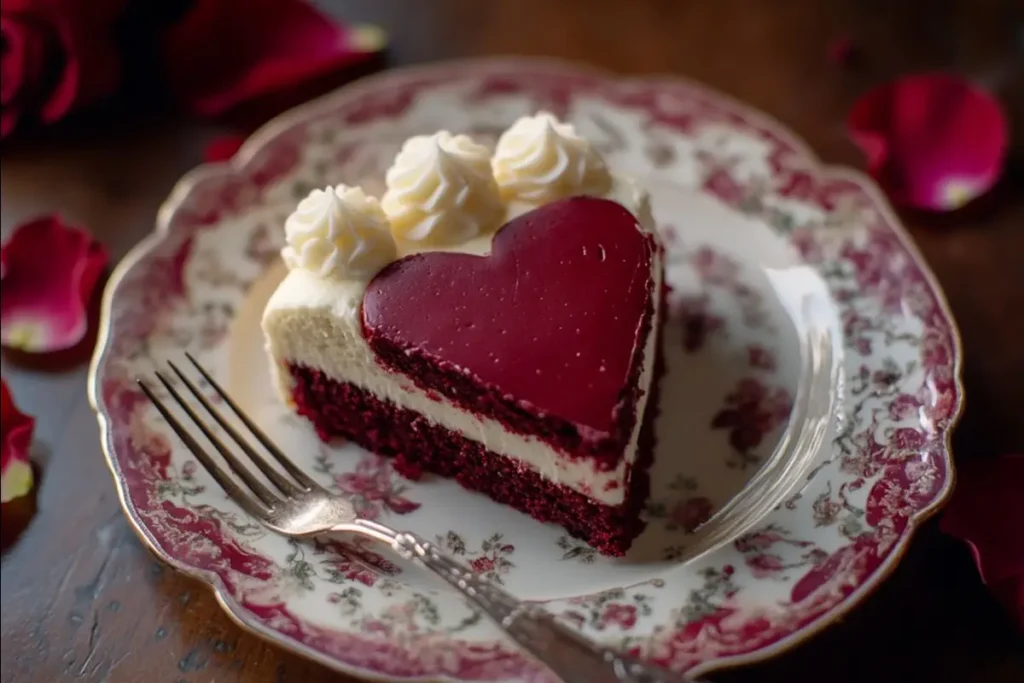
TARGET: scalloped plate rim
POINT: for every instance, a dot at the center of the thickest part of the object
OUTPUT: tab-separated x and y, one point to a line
309	110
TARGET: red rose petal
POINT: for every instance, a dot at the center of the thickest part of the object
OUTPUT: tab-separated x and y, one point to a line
222	148
15	439
93	69
1010	594
49	272
933	141
987	511
274	45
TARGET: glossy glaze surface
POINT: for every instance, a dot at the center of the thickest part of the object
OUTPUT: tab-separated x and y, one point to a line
551	326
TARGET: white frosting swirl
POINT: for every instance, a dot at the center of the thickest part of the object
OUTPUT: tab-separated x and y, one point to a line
339	233
440	191
540	159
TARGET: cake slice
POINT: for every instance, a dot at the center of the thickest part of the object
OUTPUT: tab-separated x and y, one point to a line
494	319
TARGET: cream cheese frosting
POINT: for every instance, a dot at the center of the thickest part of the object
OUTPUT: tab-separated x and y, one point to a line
440	191
540	159
338	233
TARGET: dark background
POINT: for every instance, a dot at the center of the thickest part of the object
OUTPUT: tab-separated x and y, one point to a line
83	601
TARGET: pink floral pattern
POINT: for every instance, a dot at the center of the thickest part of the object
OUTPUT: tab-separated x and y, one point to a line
764	555
751	411
804	565
616	609
760	358
690	513
687	509
359	565
492	560
374	488
700	325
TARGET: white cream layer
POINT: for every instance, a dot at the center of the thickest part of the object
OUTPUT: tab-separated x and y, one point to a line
317	323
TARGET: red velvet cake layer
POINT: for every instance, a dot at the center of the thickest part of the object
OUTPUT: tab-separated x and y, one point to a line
545	335
343	410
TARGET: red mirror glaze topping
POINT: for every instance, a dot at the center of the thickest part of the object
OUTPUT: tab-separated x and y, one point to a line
556	316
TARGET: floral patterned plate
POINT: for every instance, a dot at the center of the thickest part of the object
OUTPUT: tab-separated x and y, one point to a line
813	379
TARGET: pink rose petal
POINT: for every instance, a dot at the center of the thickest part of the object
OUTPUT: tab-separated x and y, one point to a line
16	430
222	148
49	272
987	512
226	53
933	141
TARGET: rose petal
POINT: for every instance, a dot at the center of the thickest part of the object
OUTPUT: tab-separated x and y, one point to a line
987	511
933	141
1010	594
16	430
222	148
274	45
49	272
26	43
93	68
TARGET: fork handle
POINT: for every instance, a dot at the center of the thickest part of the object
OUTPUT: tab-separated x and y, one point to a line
574	658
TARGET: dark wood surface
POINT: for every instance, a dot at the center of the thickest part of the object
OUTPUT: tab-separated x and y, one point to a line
83	600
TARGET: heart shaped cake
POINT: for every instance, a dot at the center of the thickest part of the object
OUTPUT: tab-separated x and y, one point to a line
494	318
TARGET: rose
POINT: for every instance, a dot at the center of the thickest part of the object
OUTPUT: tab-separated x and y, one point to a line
623	616
55	56
764	564
985	512
482	565
691	513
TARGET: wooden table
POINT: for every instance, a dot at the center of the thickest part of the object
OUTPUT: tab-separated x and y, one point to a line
82	600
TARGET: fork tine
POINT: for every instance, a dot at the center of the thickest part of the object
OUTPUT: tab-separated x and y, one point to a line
236	465
281	458
282	483
250	504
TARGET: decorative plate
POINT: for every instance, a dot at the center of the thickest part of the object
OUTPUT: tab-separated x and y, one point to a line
813	379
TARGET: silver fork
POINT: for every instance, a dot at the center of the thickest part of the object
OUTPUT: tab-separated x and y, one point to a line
298	506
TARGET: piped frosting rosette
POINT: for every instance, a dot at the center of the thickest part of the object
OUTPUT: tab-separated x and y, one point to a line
339	233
